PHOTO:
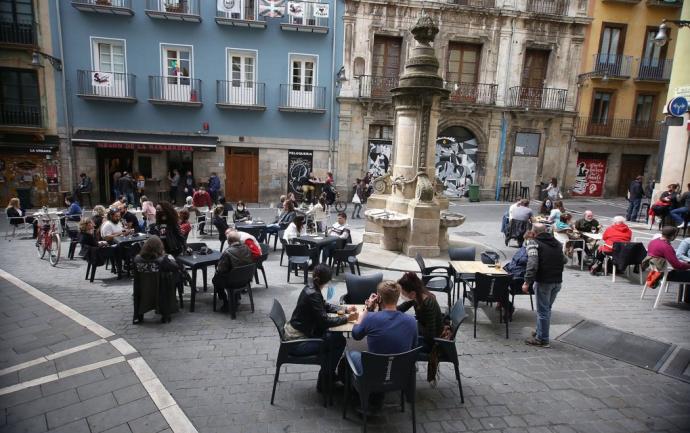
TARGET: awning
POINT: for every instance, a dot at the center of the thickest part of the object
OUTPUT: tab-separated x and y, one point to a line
144	141
32	143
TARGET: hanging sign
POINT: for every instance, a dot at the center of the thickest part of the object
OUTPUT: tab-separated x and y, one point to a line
296	9
230	6
590	176
101	79
321	10
272	8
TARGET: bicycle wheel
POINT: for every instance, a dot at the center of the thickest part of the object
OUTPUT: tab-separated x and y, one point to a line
340	206
54	256
41	246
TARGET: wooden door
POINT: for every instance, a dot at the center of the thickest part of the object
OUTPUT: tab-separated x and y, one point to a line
463	71
385	64
533	78
642	125
631	167
242	175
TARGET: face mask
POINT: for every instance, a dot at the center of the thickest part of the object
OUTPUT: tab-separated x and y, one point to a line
240	208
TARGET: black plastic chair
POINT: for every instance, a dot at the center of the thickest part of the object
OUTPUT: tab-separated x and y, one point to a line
265	249
283	242
436	278
236	280
380	374
275	236
360	288
466	254
258	232
298	258
95	257
491	288
516	290
447	350
277	315
627	255
73	232
220	226
348	254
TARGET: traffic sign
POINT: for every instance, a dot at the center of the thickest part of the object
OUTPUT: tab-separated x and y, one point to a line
677	106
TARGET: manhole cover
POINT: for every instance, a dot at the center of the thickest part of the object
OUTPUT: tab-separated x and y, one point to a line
469	234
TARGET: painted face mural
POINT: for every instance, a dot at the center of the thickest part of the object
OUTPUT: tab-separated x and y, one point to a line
456	160
379	157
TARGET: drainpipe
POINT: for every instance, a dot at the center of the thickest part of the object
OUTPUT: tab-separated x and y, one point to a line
68	126
331	140
504	119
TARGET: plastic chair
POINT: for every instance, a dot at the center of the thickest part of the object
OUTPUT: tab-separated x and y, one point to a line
16	223
491	288
516	290
73	233
436	278
221	227
383	373
236	280
298	257
348	254
265	249
466	254
447	349
283	242
277	315
627	255
360	288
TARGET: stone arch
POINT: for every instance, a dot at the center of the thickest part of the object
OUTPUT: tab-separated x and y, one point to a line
474	126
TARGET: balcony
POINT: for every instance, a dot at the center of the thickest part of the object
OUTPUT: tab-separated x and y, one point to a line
106	86
241	95
372	87
22	116
20	34
302	98
174	90
654	70
174	10
308	17
472	93
110	7
537	98
474	3
612	66
665	3
548	7
617	128
244	17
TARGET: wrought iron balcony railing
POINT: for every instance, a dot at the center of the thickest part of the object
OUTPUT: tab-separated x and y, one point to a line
472	93
246	16
548	7
307	16
612	65
176	10
302	97
537	98
617	128
18	33
248	95
654	70
111	86
114	7
666	3
175	90
374	87
22	115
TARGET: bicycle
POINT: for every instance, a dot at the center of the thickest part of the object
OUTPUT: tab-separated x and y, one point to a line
48	239
333	199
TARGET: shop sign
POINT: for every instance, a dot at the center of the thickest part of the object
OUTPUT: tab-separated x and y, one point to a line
589	179
300	164
40	150
142	146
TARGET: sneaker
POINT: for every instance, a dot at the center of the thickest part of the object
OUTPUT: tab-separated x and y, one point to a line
681	225
534	341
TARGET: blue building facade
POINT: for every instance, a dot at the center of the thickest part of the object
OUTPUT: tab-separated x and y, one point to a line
199	85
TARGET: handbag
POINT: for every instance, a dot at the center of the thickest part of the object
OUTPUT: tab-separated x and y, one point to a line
355	199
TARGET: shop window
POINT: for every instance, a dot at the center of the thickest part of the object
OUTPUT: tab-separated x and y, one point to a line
144	163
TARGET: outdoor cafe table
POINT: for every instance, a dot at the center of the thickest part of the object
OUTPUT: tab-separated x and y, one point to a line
473	267
347	327
130	239
194	263
594	236
318	242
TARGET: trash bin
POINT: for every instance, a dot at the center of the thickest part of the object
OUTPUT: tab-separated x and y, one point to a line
474	192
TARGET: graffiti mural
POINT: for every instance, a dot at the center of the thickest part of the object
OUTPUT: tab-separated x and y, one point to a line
456	160
590	177
379	157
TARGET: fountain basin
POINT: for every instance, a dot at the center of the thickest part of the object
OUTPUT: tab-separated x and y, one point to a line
451	219
387	219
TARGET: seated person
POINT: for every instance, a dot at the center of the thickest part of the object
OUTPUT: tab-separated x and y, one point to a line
129	220
236	254
98	215
201	198
148	211
683	251
87	237
545	208
295	229
427	311
220	223
318	212
284	219
167	227
112	227
522	217
618	232
73	212
310	319
241	214
193	210
661	248
556	211
681	212
341	230
185	226
667	201
564	223
587	223
249	240
227	207
17	215
155	280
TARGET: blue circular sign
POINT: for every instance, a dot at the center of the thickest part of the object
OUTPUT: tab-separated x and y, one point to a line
677	106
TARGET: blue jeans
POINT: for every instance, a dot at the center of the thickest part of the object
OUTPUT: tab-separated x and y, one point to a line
356	357
678	215
335	345
633	209
546	295
130	198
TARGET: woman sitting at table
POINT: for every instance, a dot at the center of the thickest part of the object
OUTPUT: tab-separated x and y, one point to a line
662	248
310	319
199	216
564	223
556	212
426	309
546	206
227	207
155	280
220	223
284	219
185	226
17	215
167	228
98	216
295	229
241	214
618	232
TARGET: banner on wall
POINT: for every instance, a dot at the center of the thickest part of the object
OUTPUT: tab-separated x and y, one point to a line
590	176
300	164
379	157
230	6
101	79
321	10
296	9
272	8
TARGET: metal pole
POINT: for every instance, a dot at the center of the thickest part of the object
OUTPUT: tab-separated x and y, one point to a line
331	140
68	126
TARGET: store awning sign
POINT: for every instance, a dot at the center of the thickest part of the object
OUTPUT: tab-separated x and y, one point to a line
147	146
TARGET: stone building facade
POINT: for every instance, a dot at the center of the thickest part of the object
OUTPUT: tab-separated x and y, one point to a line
509	66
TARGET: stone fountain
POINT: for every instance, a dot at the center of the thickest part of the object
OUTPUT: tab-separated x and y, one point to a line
406	212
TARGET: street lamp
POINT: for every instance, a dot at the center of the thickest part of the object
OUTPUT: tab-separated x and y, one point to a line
54	61
661	37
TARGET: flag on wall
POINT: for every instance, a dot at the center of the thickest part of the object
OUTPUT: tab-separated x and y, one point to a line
321	10
230	6
101	79
272	8
296	9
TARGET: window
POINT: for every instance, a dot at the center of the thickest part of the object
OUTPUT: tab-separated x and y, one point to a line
386	56
108	55
242	77
241	10
602	107
177	64
644	108
611	42
302	80
17	12
20	100
307	18
383	132
463	63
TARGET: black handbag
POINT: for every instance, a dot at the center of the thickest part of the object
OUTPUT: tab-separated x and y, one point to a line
490	257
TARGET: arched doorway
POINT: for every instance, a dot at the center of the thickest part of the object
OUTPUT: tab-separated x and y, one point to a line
456	160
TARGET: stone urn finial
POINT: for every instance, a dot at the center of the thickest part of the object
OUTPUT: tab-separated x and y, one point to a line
425	29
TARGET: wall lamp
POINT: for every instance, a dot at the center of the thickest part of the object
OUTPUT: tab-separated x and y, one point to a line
340	76
661	37
54	61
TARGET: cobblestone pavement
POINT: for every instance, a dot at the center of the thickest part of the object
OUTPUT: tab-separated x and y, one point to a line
220	371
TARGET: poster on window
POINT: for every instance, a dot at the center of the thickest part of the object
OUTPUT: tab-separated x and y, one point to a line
101	79
590	176
296	9
300	164
321	10
272	8
456	161
379	157
230	6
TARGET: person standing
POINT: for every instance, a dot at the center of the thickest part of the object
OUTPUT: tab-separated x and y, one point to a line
635	194
116	188
680	214
174	179
359	198
214	186
545	261
553	192
126	186
189	185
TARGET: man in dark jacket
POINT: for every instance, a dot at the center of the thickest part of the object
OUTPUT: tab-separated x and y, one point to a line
237	254
126	186
635	193
545	260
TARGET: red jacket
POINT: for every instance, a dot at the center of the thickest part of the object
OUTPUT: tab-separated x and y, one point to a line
615	233
201	199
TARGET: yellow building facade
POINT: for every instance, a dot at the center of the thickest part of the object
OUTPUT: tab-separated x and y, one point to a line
622	87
